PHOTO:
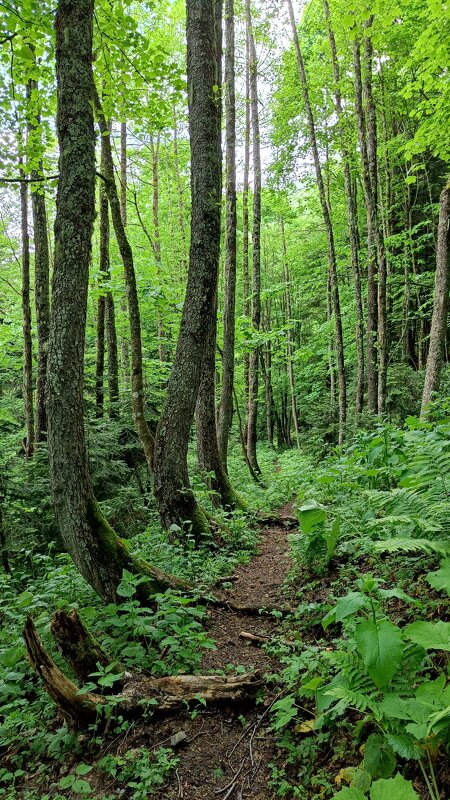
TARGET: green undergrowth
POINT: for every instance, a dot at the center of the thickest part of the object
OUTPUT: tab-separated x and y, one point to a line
364	711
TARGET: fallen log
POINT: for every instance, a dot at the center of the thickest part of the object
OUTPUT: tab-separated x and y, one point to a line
171	693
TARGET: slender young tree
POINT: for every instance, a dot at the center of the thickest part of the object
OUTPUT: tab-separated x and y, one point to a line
245	223
329	229
155	144
226	398
100	360
351	216
174	496
252	428
26	316
96	550
290	343
438	332
41	260
126	253
124	349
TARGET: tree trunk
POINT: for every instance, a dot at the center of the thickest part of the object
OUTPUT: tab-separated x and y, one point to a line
351	216
252	430
226	399
371	122
175	499
26	319
371	212
41	265
100	362
124	350
329	228
245	223
94	547
440	307
126	253
290	344
181	209
157	240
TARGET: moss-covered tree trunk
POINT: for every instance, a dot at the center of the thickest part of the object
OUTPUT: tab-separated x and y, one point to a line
41	258
96	550
175	499
226	397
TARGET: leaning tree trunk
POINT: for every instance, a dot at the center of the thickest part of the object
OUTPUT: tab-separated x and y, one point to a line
226	398
252	430
440	308
41	264
290	343
126	253
351	216
329	229
174	496
96	550
26	319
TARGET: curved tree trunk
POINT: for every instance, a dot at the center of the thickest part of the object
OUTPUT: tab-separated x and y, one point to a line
175	499
226	399
440	308
126	253
340	361
96	550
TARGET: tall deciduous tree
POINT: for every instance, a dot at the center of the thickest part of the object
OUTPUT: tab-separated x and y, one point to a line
175	499
93	545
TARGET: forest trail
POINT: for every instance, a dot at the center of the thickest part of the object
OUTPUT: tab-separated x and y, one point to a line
226	752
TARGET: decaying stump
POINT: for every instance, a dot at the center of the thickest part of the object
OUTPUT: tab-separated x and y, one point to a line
171	693
77	645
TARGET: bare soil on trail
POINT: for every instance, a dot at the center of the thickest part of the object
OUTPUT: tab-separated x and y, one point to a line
226	752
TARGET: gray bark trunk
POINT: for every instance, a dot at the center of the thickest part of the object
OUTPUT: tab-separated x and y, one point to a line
26	319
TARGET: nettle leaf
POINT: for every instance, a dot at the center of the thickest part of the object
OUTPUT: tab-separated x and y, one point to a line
379	757
350	604
381	647
431	635
310	515
441	578
404	746
397	788
350	794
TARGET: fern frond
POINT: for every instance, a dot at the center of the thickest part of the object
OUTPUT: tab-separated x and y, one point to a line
400	545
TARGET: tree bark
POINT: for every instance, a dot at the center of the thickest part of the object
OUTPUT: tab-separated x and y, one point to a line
351	217
124	349
181	205
440	307
26	319
290	344
252	429
226	399
157	240
372	140
371	212
245	222
96	550
174	496
100	361
41	266
340	361
126	253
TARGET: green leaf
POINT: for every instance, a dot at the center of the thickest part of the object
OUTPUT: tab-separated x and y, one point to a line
311	514
350	604
380	646
397	788
441	578
404	745
83	769
431	635
379	758
350	794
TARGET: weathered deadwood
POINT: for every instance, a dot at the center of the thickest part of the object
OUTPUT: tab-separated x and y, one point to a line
253	637
171	693
82	708
77	646
275	521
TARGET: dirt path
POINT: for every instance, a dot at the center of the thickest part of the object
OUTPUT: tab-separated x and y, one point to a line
225	754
